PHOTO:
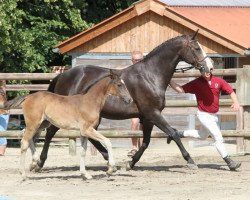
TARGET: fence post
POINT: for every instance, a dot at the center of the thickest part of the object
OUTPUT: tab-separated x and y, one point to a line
243	93
72	146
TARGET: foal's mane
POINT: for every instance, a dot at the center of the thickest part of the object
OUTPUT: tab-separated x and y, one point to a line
157	49
96	81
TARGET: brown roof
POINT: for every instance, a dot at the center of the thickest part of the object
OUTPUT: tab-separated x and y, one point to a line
232	23
228	26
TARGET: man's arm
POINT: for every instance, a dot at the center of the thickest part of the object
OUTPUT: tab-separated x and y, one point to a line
176	87
235	106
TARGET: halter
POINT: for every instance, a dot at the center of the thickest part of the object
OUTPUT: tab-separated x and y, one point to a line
197	65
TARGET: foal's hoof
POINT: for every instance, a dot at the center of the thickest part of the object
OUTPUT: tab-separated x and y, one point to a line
192	166
86	176
111	170
24	176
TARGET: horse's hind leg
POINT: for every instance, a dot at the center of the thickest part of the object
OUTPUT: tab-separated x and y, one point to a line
50	132
147	129
83	171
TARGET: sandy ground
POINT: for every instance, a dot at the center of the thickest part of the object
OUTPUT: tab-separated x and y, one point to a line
160	174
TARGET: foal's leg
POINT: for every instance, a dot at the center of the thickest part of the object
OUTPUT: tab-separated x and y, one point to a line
35	155
98	145
28	134
83	171
92	133
35	158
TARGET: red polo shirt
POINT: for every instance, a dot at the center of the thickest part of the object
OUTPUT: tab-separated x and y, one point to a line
208	92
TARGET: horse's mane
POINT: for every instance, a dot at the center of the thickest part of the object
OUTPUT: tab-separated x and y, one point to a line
166	43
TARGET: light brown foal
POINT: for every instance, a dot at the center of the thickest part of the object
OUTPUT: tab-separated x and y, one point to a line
80	112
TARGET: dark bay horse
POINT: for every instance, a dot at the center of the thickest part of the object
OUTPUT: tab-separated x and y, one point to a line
79	112
146	81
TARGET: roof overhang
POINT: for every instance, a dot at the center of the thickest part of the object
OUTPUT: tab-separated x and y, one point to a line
140	8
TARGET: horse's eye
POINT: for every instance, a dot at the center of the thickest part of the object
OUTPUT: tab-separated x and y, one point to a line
197	48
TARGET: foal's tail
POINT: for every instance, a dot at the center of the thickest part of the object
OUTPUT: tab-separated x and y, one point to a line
14	103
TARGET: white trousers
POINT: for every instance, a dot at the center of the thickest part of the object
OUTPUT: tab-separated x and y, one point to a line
210	126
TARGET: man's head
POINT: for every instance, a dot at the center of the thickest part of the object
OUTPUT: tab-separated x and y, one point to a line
206	75
136	56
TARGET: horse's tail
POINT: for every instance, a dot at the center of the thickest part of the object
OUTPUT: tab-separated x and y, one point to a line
52	84
14	103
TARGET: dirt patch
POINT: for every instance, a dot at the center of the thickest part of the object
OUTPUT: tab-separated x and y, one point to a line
160	174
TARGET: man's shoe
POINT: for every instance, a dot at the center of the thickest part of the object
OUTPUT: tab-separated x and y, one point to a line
232	164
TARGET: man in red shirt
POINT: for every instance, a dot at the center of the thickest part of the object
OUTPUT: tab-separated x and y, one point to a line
135	122
207	90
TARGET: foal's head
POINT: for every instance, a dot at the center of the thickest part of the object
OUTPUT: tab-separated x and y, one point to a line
118	88
193	53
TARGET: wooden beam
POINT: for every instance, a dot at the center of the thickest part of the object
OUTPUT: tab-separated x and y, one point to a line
117	134
96	31
29	87
27	76
50	76
157	7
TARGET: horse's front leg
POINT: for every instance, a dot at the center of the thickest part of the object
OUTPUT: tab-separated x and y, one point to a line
147	129
83	170
157	119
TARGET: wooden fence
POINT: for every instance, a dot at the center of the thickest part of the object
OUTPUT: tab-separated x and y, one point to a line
174	107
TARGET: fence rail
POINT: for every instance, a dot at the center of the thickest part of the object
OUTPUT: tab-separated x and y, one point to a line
116	134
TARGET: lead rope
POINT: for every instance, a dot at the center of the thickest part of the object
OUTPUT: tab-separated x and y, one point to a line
184	69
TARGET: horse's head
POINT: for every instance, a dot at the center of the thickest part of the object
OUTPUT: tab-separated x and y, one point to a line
193	54
118	87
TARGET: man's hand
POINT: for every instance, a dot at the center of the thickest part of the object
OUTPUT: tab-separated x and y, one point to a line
235	106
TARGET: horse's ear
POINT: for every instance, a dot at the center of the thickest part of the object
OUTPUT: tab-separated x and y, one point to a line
115	73
195	34
112	74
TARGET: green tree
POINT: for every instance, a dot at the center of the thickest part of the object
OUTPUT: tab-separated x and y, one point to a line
31	29
98	10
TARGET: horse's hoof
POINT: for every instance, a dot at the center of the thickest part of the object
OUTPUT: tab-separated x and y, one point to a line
192	166
32	167
24	179
128	166
37	168
114	168
86	176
